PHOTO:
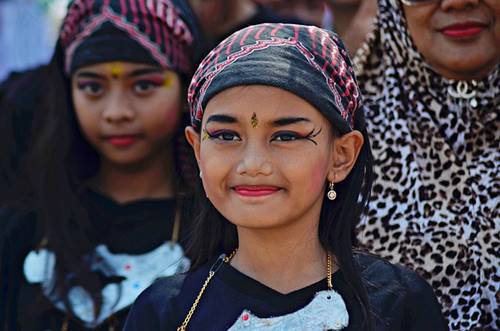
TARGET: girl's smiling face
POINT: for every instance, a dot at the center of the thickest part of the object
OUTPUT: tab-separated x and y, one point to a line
127	111
266	155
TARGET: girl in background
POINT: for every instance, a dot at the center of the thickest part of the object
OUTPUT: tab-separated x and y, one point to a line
106	210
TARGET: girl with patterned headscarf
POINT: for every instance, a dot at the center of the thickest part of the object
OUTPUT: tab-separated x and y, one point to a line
106	213
431	82
277	127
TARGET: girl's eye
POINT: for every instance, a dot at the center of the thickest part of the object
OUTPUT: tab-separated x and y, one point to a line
224	136
286	136
144	86
93	89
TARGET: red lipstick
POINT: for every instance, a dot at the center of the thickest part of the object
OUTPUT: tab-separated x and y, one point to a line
122	141
463	30
256	191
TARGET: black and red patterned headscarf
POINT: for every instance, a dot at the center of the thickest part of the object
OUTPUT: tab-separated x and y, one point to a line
308	61
161	32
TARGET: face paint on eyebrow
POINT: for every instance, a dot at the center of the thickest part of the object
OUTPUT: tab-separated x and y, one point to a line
254	121
116	69
169	80
205	135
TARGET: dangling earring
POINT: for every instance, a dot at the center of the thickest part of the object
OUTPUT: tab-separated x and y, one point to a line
201	174
331	194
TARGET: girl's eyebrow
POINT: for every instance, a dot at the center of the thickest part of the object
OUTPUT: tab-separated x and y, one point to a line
135	73
89	74
145	71
227	119
288	120
222	119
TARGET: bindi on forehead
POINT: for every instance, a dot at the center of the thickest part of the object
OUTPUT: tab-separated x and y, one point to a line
254	121
116	69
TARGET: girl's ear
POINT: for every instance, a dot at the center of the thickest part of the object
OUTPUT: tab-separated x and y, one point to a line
345	152
193	139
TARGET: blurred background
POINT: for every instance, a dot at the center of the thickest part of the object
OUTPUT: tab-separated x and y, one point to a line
29	28
28	32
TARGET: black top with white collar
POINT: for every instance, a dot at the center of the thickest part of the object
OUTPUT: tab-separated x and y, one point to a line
399	298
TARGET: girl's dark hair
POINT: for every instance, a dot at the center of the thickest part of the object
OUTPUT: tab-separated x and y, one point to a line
20	96
213	233
54	173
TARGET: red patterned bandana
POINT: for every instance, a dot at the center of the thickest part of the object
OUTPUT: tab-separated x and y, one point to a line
305	60
160	31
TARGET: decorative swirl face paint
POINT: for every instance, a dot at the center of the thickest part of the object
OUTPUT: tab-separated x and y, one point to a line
205	135
169	80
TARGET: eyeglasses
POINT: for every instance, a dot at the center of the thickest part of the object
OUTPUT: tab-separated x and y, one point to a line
418	2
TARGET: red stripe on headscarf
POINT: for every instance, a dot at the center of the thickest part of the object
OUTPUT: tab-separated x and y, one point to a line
81	7
276	29
245	36
91	9
296	35
233	40
217	55
147	26
261	30
166	32
133	9
155	22
123	5
312	33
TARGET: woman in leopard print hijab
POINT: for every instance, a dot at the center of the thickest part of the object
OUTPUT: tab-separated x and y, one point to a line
435	137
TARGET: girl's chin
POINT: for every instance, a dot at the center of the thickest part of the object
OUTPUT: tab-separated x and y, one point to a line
256	222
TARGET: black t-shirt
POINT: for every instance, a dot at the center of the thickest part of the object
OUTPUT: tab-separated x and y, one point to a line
400	300
134	229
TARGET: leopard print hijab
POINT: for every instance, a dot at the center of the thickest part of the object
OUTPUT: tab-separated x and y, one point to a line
435	199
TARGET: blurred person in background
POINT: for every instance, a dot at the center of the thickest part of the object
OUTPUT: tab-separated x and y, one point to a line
220	18
431	81
106	209
351	19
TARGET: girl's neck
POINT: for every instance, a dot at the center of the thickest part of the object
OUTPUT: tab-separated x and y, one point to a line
154	178
282	259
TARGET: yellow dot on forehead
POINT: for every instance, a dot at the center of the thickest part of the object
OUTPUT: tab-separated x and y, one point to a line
116	69
254	121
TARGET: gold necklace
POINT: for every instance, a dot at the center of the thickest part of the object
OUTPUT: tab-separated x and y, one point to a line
226	259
